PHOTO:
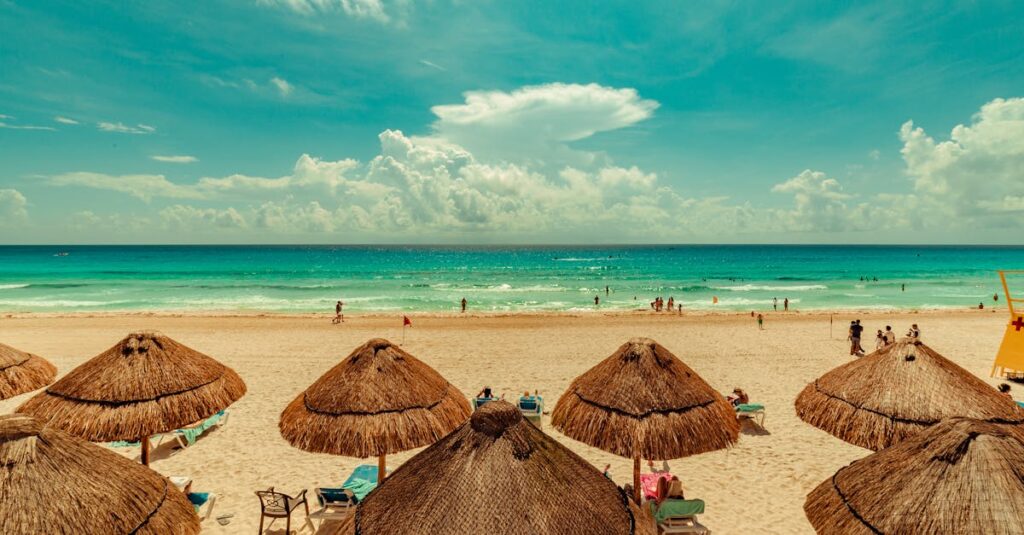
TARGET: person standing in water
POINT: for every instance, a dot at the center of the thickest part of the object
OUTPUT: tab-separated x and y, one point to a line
607	290
775	303
785	304
597	300
463	305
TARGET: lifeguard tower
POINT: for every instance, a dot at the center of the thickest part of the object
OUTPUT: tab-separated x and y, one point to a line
1010	358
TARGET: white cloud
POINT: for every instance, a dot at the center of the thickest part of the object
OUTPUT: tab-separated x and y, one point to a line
64	120
145	187
977	171
282	85
125	129
175	159
13	207
184	217
360	9
5	124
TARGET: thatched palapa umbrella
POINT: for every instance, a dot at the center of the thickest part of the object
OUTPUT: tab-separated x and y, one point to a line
22	372
379	400
958	476
642	401
55	483
145	385
887	396
497	474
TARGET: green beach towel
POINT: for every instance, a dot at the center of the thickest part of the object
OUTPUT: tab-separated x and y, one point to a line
749	407
193	433
669	508
360	487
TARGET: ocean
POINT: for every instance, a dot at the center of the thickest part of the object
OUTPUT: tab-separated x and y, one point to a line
497	279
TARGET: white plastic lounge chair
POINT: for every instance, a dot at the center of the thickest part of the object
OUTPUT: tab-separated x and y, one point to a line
754	411
187	436
679	516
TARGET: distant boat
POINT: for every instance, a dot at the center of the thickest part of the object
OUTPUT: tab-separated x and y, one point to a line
62	253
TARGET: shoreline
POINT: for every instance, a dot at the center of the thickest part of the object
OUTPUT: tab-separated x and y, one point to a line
215	313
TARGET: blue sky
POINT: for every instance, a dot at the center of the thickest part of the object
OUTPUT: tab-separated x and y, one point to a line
356	121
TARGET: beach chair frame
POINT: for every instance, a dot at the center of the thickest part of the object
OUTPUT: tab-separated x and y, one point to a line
332	509
274	505
757	416
179	437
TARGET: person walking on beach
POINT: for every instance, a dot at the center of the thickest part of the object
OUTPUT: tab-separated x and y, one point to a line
760	322
855	332
463	305
785	304
775	303
338	316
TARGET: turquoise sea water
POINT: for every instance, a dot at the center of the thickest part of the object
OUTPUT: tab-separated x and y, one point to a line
312	278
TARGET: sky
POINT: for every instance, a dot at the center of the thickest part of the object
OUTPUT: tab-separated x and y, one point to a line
527	122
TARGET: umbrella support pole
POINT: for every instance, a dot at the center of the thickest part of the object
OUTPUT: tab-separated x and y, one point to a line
636	480
382	466
145	450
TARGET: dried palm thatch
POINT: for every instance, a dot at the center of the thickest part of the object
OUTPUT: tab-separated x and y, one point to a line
145	385
958	476
887	396
642	401
52	482
22	372
379	400
497	474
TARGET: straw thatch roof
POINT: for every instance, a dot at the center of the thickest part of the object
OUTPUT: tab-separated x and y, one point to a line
497	474
887	396
145	385
54	483
379	400
22	372
959	476
643	401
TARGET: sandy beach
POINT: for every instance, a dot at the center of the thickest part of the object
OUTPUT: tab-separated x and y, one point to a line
756	487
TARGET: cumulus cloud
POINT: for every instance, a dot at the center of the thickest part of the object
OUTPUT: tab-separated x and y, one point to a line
64	120
122	128
978	173
13	207
537	122
175	159
145	187
191	218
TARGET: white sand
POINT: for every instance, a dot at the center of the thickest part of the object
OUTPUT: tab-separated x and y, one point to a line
756	487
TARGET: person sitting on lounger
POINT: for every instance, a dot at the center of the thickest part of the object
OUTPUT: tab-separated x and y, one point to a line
485	393
1005	390
738	397
670	489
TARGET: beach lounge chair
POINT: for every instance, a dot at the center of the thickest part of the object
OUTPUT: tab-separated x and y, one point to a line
679	516
276	505
532	408
754	411
337	502
187	436
480	402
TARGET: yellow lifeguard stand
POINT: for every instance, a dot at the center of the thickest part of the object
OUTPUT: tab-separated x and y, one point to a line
1010	359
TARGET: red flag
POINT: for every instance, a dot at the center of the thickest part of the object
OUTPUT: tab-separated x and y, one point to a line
406	321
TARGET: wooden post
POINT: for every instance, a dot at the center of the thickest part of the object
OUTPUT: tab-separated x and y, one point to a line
145	450
636	479
382	468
